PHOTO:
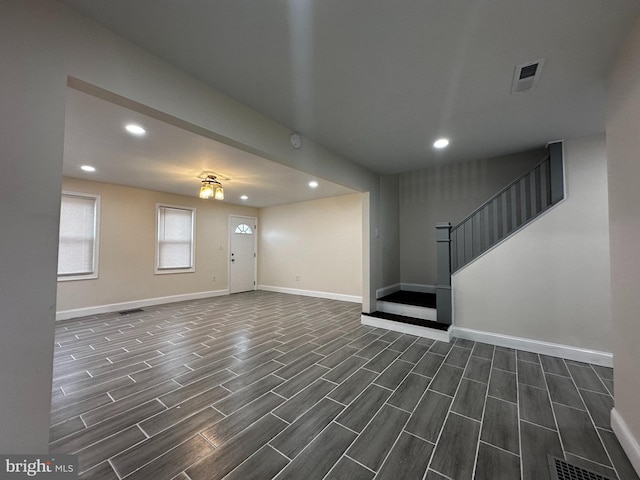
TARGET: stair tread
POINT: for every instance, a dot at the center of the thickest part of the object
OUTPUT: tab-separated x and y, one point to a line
410	320
404	297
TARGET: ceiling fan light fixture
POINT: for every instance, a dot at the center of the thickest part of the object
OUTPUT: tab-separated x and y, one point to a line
211	188
206	191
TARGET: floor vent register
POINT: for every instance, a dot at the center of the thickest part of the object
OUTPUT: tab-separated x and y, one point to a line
561	470
133	310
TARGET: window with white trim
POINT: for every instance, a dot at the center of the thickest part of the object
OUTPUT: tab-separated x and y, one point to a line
175	241
78	240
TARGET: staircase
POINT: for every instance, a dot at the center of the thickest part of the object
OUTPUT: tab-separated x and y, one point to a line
508	211
414	313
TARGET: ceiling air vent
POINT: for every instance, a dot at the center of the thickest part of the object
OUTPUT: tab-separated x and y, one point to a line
526	76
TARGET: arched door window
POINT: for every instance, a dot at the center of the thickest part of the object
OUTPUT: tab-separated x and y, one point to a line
243	229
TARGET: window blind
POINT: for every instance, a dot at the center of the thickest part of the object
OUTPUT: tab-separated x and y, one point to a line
175	238
76	250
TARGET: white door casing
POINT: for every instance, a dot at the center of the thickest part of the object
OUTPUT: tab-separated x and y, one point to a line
242	253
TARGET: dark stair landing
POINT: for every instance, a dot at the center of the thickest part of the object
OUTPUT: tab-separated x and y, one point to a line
409	320
411	298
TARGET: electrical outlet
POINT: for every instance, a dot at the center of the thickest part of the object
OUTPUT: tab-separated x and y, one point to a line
297	278
213	278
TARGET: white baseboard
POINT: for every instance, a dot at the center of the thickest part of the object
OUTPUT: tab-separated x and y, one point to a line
627	441
415	311
418	331
312	293
418	287
388	290
596	357
116	307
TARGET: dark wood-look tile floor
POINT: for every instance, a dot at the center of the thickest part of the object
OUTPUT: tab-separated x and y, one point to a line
265	385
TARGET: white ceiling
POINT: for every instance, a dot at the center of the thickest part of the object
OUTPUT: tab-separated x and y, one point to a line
171	159
378	80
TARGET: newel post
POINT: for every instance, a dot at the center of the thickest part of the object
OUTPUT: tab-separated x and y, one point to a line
557	171
443	288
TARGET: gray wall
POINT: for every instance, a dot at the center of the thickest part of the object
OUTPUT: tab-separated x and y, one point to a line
623	150
447	193
41	44
390	229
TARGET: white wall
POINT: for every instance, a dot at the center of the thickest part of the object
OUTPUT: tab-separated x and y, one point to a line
447	193
41	44
623	149
549	281
127	250
31	144
319	241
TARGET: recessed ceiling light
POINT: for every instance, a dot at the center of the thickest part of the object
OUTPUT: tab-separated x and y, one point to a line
88	168
441	143
313	184
244	197
134	129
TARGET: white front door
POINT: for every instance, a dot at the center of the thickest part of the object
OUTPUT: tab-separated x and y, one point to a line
242	253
